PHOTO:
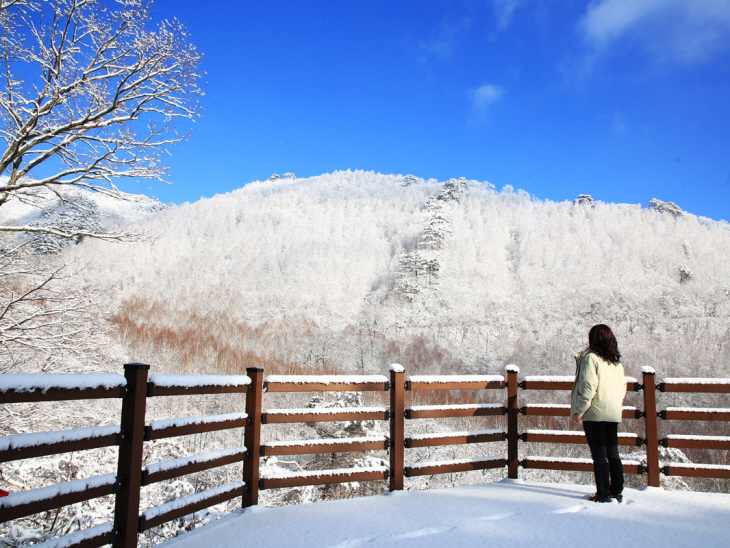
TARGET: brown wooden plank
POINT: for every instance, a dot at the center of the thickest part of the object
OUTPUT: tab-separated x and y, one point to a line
193	467
197	505
580	438
695	387
542	410
88	538
469	466
633	387
696	415
305	386
131	453
189	429
252	437
441	412
155	391
397	428
513	417
565	385
675	470
60	394
536	409
278	417
43	505
57	448
322	478
573	466
321	446
455	439
546	385
631	413
465	385
650	425
701	442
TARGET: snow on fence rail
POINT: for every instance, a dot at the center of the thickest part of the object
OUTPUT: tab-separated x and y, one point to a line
25	446
322	383
717	386
34	387
454	382
135	387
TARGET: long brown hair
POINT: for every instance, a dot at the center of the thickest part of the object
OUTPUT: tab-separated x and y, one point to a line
602	341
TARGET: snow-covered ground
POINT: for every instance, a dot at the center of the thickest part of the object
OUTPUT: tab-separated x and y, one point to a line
509	513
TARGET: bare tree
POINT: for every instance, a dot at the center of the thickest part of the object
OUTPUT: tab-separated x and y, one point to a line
42	316
89	95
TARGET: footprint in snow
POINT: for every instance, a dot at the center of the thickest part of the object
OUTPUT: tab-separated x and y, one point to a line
425	532
570	509
354	542
496	517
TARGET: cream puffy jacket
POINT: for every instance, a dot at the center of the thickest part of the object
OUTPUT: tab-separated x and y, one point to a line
599	388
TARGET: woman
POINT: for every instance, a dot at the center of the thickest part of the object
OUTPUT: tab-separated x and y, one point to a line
597	398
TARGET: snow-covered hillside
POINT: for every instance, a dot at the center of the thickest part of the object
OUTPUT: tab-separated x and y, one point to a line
351	269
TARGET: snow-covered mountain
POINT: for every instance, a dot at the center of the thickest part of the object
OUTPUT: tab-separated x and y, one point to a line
72	209
353	269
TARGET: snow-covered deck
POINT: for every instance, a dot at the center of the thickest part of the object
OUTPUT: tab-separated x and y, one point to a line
509	513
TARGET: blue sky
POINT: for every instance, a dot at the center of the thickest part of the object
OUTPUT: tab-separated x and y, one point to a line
626	100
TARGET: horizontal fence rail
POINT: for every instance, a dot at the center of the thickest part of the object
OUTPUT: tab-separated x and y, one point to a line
135	387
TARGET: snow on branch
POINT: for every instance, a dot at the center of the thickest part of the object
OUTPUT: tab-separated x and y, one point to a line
96	104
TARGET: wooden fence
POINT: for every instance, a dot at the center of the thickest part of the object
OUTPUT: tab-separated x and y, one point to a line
134	388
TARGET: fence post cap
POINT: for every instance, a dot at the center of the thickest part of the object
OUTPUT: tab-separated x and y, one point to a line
511	368
397	368
255	369
136	367
647	370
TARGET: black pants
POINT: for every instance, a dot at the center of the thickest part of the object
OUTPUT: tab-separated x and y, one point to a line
603	441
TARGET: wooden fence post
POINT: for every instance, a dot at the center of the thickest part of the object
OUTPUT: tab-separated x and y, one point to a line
252	437
129	467
397	425
512	412
650	418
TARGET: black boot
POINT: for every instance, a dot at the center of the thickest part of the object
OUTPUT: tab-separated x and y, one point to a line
603	488
616	470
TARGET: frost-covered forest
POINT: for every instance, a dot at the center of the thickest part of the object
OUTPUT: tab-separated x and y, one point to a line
352	270
347	273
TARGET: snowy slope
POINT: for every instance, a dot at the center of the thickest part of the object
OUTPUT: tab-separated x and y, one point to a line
508	514
36	204
496	276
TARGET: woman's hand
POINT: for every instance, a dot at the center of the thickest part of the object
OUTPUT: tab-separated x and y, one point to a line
577	417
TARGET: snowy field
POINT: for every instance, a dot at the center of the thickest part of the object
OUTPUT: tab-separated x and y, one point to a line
509	513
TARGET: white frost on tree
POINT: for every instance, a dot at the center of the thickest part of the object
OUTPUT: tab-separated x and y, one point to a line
665	207
584	200
90	92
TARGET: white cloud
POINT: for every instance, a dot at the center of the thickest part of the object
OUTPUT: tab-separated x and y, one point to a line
442	45
484	96
504	9
688	31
